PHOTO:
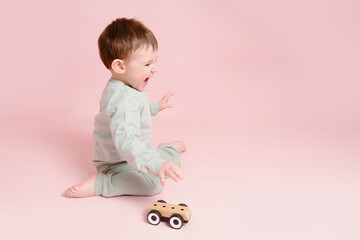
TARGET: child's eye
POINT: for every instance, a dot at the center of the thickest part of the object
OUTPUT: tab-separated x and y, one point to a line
147	64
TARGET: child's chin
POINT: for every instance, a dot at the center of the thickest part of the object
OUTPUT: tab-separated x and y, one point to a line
140	89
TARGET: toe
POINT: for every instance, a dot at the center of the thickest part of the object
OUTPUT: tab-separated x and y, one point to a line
70	190
67	193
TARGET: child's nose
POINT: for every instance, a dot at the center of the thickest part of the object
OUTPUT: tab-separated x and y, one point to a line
154	69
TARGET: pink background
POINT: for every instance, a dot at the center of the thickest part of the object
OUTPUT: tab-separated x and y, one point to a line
267	101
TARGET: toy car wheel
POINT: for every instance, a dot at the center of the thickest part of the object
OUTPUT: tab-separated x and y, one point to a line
182	204
154	217
162	201
176	221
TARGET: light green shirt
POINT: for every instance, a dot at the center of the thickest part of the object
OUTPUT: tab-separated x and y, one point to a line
123	129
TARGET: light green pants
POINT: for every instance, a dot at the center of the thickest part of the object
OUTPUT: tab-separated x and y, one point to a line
124	179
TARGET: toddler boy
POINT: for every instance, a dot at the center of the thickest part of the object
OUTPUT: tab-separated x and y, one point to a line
126	161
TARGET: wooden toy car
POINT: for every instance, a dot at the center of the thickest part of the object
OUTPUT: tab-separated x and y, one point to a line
176	214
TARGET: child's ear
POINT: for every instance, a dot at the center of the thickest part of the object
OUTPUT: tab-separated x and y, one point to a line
118	66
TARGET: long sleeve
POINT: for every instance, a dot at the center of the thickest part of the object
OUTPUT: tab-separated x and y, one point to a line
126	133
154	108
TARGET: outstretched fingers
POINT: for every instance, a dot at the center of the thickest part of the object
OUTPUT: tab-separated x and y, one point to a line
167	96
171	170
162	178
163	103
174	175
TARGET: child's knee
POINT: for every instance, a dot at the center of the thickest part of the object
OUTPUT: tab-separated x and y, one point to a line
156	188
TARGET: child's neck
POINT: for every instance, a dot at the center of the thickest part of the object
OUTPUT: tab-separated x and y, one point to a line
116	77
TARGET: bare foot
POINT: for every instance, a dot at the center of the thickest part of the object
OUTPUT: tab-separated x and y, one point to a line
180	146
84	189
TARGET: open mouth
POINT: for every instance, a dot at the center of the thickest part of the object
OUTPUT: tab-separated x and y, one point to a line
146	80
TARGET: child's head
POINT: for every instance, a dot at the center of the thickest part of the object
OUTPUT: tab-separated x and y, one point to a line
122	37
129	50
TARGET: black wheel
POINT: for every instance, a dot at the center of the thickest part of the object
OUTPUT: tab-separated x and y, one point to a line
182	204
154	217
162	201
176	221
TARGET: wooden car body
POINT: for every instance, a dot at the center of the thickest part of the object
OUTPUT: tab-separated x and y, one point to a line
168	210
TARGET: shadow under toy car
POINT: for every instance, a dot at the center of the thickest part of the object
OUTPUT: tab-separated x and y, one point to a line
176	214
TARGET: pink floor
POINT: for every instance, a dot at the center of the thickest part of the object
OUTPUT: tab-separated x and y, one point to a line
266	99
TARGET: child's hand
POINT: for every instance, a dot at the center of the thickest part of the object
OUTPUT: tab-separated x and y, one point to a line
170	169
163	103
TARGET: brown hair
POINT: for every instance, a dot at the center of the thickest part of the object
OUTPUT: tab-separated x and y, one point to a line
123	36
